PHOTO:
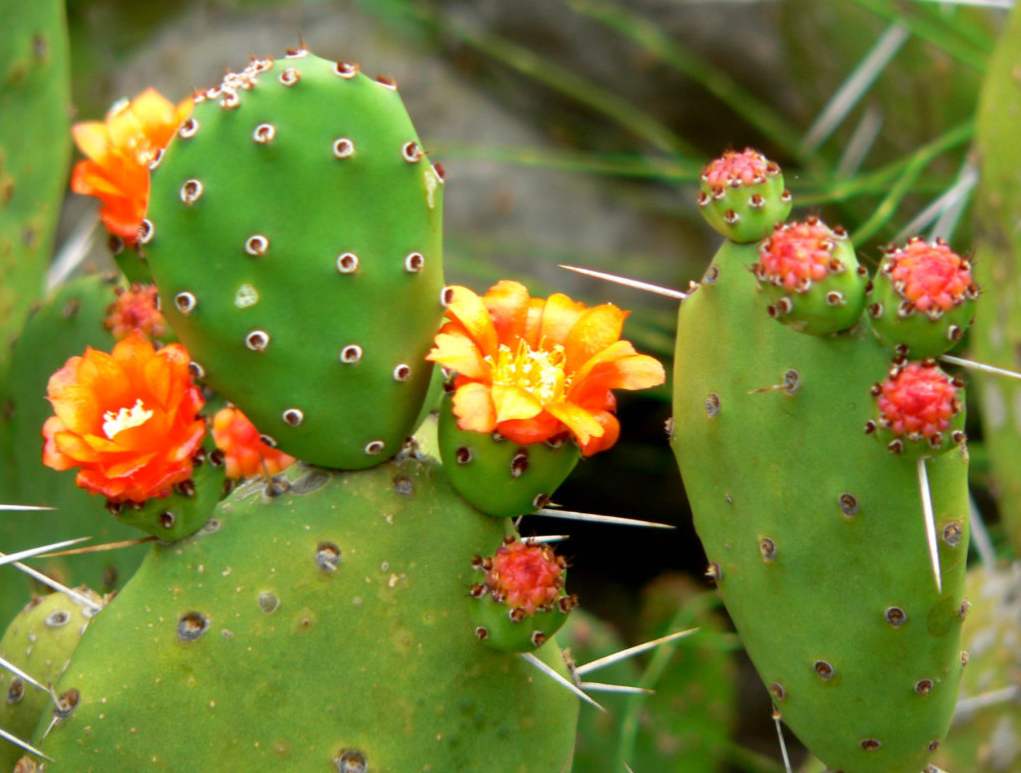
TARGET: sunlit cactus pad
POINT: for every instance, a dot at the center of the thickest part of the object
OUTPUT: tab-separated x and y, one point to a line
294	231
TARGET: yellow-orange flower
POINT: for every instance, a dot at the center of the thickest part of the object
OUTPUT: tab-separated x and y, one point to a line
242	446
127	420
136	308
533	369
118	153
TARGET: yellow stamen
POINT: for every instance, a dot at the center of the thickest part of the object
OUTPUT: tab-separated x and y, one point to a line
125	418
538	372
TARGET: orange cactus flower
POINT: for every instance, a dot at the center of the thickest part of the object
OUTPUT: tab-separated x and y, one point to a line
245	452
118	153
136	308
127	420
532	369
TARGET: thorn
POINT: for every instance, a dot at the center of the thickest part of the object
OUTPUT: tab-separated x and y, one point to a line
624	688
930	523
638	649
783	743
648	287
980	366
23	744
126	543
572	515
533	660
8	666
10	558
25	507
50	582
545	539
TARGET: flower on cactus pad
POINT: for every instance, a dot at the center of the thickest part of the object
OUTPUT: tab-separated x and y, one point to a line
118	153
128	420
136	308
245	452
532	368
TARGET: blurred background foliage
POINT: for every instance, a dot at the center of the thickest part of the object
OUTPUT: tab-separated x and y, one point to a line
574	131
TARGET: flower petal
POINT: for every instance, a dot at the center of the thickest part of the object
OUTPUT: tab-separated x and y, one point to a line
558	317
92	139
583	425
460	354
596	329
473	407
508	303
468	309
611	431
512	403
527	431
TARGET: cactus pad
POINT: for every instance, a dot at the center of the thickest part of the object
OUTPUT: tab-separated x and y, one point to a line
294	232
321	624
814	531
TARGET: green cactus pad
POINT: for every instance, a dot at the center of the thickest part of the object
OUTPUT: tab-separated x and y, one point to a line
324	626
937	279
294	231
811	277
521	601
68	322
814	532
35	145
499	477
742	196
920	411
40	641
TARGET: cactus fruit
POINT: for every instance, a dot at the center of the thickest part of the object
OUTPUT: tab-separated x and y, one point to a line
326	625
280	299
997	334
34	150
742	195
497	476
68	322
793	501
39	641
521	601
986	732
811	277
922	299
920	410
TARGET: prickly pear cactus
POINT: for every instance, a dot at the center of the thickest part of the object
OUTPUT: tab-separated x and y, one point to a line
294	231
988	737
35	146
39	641
997	335
70	320
814	530
328	626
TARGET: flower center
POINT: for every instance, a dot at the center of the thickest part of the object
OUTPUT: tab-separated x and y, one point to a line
539	372
931	275
125	418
